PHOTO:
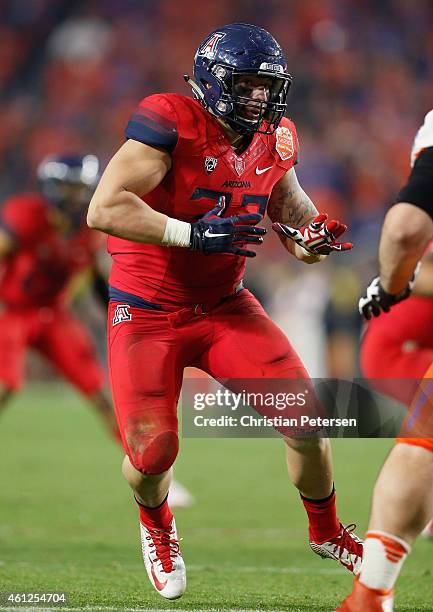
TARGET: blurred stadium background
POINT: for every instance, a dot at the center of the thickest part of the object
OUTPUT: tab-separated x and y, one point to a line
71	72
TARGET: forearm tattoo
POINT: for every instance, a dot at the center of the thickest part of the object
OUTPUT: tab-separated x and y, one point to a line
291	207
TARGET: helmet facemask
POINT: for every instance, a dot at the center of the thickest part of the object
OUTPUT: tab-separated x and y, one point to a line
232	104
255	114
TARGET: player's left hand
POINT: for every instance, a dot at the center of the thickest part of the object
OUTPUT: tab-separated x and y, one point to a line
317	238
377	300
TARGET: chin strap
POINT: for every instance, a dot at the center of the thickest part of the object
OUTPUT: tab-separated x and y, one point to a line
200	95
197	92
195	88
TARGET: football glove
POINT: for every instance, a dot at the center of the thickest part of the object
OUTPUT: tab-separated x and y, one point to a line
215	234
378	300
317	238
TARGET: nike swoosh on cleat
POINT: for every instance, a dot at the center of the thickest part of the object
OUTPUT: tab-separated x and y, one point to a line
159	585
346	563
209	234
261	170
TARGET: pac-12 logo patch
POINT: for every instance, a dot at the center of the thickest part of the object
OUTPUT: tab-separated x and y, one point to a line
209	47
122	314
239	165
284	143
210	164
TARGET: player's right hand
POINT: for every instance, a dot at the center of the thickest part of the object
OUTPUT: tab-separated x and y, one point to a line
215	234
376	300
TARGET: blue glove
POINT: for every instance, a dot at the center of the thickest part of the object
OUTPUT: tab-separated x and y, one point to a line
215	234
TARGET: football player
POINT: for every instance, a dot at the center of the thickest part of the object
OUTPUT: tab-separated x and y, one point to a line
403	495
44	243
396	350
181	200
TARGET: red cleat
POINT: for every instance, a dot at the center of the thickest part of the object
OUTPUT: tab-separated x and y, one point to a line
363	599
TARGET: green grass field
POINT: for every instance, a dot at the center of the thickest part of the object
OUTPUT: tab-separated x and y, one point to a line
67	520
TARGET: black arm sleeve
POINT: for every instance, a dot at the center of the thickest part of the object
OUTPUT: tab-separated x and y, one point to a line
100	288
419	187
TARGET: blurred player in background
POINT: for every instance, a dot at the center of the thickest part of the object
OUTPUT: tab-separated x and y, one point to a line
44	244
181	200
403	495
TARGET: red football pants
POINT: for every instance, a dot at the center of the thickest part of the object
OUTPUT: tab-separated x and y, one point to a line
59	336
397	357
399	346
147	356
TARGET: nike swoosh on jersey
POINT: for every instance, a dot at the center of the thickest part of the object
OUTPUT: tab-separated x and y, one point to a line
209	234
261	170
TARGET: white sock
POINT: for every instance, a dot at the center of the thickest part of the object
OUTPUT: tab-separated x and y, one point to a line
383	558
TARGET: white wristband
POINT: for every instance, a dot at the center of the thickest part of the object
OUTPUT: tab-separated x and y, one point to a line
177	233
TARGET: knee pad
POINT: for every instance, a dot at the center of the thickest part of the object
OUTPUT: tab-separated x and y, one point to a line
154	452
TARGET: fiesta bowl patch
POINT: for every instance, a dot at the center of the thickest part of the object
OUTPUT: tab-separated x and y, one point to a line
284	143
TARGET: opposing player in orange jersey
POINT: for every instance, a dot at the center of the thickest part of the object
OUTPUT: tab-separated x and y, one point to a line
403	495
181	201
396	350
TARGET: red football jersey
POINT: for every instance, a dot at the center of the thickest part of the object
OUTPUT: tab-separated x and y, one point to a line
204	167
37	270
